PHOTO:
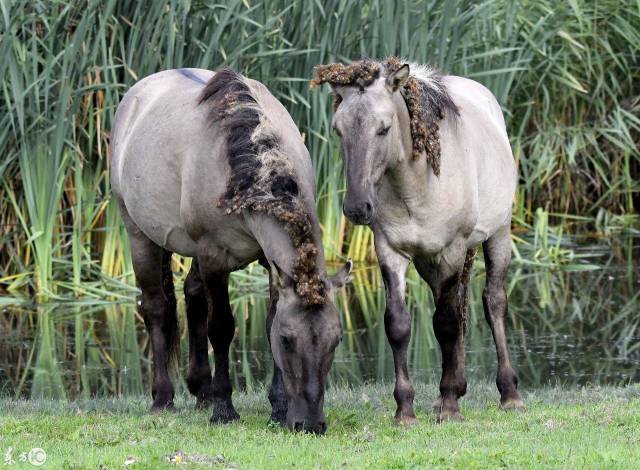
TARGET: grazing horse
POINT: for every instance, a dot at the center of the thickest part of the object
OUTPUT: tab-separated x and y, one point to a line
430	170
211	166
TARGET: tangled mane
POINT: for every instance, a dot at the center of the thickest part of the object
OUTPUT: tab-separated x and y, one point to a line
262	177
426	98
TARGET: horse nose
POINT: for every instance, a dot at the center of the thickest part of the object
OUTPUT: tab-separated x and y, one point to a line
319	427
360	212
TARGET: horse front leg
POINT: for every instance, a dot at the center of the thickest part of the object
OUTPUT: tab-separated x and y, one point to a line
397	324
277	394
497	254
221	332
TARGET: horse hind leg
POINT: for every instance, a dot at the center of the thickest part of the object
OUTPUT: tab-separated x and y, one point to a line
199	374
447	281
157	306
497	254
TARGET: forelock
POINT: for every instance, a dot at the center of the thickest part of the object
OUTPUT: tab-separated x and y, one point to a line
424	93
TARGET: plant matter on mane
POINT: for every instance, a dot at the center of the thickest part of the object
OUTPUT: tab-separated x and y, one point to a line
427	101
262	178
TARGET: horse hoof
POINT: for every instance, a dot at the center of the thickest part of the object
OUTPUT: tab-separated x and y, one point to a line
407	421
446	415
513	404
203	403
436	405
277	418
161	407
224	416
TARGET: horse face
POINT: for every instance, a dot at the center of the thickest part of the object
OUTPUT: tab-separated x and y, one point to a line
368	125
303	341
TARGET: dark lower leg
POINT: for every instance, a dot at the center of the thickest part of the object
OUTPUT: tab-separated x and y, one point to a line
398	328
155	310
277	394
494	300
449	331
278	397
221	331
497	255
199	374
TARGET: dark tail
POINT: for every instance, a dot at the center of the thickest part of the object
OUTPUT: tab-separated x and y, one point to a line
171	329
465	277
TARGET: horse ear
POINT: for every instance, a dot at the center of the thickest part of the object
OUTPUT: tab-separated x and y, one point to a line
340	278
281	278
397	78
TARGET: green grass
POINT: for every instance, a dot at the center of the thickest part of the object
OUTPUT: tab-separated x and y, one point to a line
562	428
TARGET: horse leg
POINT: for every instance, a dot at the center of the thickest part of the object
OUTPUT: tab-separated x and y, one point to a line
156	305
447	282
497	255
397	324
277	394
221	330
199	375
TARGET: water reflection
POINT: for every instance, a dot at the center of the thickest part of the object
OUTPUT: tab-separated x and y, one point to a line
569	324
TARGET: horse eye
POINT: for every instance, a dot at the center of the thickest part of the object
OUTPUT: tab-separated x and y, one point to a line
287	343
384	130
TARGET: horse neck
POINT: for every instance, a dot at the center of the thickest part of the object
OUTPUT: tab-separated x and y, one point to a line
276	243
407	177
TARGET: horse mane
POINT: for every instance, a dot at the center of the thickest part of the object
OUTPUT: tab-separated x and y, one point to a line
424	93
262	178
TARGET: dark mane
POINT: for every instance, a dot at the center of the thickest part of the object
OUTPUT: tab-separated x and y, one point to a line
427	103
231	102
261	179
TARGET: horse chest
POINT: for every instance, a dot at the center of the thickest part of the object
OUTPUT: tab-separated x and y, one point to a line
412	237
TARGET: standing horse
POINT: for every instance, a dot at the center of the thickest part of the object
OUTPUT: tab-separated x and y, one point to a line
430	170
212	167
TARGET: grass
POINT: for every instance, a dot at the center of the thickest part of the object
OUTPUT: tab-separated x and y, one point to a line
597	427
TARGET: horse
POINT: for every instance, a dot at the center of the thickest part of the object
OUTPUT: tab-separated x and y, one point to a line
211	166
430	170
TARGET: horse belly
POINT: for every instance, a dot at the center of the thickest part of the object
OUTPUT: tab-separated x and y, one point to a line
150	191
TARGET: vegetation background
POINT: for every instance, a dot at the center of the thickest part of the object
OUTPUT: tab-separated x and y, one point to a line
567	75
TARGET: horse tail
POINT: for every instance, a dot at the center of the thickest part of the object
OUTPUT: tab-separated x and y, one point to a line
170	326
465	277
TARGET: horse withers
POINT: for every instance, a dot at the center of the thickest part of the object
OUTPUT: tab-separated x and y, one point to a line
211	166
429	168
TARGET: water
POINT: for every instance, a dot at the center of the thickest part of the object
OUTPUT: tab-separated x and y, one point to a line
573	320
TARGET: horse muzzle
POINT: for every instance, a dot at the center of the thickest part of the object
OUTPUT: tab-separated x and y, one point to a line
361	212
306	417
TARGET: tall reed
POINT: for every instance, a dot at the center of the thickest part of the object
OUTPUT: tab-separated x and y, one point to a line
564	72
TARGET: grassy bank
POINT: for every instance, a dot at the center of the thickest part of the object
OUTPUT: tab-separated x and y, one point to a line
567	428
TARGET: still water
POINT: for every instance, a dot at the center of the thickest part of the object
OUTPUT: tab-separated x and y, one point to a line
573	320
